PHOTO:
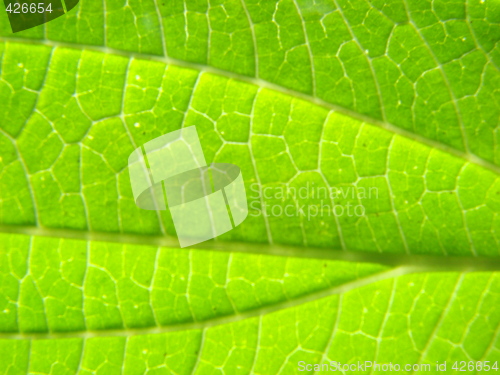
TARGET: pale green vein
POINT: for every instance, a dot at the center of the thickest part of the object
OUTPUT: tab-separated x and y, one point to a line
472	158
261	311
422	262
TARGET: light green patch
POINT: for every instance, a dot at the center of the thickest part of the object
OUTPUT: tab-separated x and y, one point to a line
391	106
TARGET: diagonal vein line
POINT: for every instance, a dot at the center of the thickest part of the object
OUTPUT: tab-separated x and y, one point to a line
254	37
203	325
335	326
200	351
308	46
442	317
468	156
425	262
443	75
366	57
162	31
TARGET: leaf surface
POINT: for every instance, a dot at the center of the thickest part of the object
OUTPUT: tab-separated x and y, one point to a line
393	105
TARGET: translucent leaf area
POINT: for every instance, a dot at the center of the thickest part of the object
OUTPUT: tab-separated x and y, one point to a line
385	111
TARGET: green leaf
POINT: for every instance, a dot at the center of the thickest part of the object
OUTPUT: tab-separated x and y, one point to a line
394	106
